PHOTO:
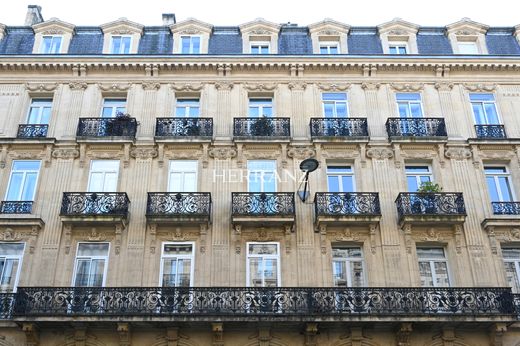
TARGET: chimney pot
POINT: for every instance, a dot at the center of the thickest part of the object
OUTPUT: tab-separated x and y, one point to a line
168	19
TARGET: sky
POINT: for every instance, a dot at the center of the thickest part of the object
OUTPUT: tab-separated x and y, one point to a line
236	12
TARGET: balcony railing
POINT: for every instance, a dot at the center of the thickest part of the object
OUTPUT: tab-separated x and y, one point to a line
107	127
94	203
6	305
275	302
16	207
339	127
442	203
28	131
346	203
261	127
184	127
490	131
263	204
178	204
506	208
416	127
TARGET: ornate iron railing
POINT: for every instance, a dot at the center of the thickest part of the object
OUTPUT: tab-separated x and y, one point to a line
184	127
262	204
32	131
261	127
178	204
516	302
441	203
6	305
339	127
282	302
490	131
107	127
346	203
506	208
416	127
94	203
16	207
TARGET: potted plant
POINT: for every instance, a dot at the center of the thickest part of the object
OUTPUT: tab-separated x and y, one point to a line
426	202
121	126
262	126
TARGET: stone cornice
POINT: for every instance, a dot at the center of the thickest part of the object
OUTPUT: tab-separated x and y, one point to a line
397	24
54	24
466	25
260	24
122	24
329	25
191	25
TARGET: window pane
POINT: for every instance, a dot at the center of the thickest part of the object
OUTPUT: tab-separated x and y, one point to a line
110	183
491	113
333	50
356	271
416	110
493	191
495	170
82	273
93	249
341	109
512	276
511	253
11	249
412	183
441	274
507	195
15	187
26	165
481	97
348	184
196	45
190	182
47	42
435	252
263	249
183	272
478	113
194	111
402	50
270	273
116	45
177	249
404	111
97	268
339	272
29	187
9	272
255	272
185	45
333	182
169	272
408	96
425	274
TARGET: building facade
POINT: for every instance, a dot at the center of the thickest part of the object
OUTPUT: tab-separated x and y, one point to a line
154	196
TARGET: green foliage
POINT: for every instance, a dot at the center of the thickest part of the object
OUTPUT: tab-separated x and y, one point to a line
428	186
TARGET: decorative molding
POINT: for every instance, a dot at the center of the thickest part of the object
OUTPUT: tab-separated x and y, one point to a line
458	154
183	155
78	85
466	32
189	32
407	87
340	154
329	33
151	86
260	32
444	86
187	87
301	153
379	153
53	32
505	155
222	153
143	153
480	87
297	86
259	87
418	154
263	155
65	153
26	155
370	86
334	86
41	87
116	87
224	86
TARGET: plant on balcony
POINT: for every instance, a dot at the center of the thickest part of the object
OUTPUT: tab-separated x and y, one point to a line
120	125
426	204
429	187
262	126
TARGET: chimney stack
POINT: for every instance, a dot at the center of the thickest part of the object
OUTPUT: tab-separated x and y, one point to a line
168	19
34	15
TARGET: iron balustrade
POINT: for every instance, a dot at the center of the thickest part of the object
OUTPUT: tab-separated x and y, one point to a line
339	127
178	204
107	127
94	203
184	127
416	127
506	208
32	131
276	301
516	300
430	203
261	127
262	204
16	207
346	203
6	305
490	131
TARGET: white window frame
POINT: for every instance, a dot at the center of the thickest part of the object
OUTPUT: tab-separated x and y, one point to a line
261	106
172	168
23	180
418	175
262	173
106	258
39	104
516	261
53	37
467	44
187	106
335	103
190	257
277	257
328	45
116	103
340	175
431	261
347	260
408	104
482	104
495	177
104	172
120	47
18	271
259	44
398	44
191	44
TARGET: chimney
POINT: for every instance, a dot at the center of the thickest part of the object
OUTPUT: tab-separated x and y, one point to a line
168	19
34	15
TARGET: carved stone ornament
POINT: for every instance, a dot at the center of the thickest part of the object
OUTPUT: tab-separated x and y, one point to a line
189	32
223	86
418	154
263	155
334	86
260	32
458	154
41	87
444	86
78	85
10	235
222	153
113	154
297	86
143	153
480	87
398	32
183	155
65	154
466	32
259	87
53	32
26	155
380	153
329	33
115	87
505	155
340	154
301	153
122	32
151	85
370	86
407	87
186	86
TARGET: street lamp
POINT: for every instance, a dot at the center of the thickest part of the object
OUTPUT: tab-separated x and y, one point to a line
306	166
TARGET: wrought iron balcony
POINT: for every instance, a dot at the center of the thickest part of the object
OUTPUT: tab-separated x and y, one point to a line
262	127
263	204
95	204
16	207
346	206
490	131
339	127
6	305
184	127
279	302
29	131
441	204
107	127
506	208
178	206
416	127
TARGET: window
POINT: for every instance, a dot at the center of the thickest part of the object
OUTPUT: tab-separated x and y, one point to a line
113	107
182	176
259	48
497	179
190	44
120	44
103	176
512	265
484	109
11	255
260	108
187	108
340	178
23	181
399	49
263	261
334	105
468	48
329	48
409	105
433	267
40	111
261	175
177	265
91	265
347	267
51	44
416	175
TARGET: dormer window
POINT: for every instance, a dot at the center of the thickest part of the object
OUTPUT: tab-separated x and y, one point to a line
467	37
120	44
190	44
191	36
398	48
259	48
51	44
52	37
121	37
329	47
259	37
398	37
329	37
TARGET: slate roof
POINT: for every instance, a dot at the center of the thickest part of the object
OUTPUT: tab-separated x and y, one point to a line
364	41
294	40
433	41
225	40
19	40
501	41
87	40
156	40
